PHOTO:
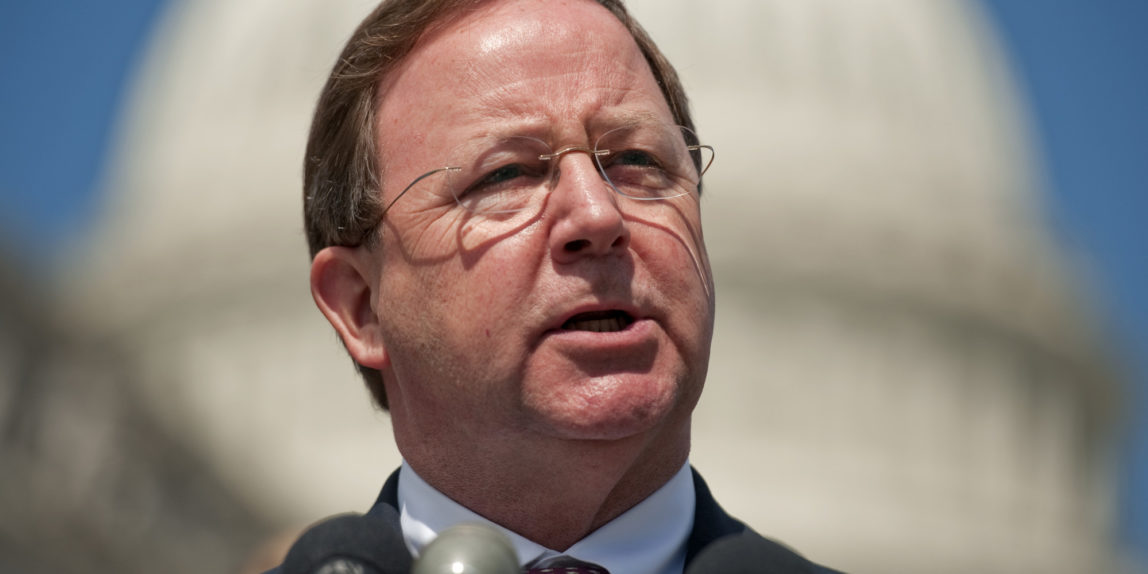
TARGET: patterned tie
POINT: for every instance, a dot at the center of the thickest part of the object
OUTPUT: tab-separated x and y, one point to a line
564	565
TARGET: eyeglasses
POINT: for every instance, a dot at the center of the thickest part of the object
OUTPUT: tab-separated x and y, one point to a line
645	161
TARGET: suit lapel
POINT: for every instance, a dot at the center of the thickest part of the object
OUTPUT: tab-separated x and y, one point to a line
710	521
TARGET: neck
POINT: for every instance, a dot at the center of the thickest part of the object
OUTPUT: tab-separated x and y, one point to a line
558	497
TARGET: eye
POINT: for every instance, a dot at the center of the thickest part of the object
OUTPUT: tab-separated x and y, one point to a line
501	188
501	175
502	178
638	173
634	157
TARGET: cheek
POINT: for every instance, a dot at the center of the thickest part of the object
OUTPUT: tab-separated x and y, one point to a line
460	297
446	325
678	269
675	255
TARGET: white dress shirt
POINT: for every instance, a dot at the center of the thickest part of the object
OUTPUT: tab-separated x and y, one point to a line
649	538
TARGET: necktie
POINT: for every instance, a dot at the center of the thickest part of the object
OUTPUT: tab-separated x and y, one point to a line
565	565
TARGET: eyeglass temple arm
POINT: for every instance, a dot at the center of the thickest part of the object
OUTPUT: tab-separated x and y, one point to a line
412	184
712	154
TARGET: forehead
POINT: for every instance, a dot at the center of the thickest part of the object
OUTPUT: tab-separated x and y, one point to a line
568	65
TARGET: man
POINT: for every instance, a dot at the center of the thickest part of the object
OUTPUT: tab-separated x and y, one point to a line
502	209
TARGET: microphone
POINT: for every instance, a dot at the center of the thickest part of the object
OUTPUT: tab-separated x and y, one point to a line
748	553
351	544
468	549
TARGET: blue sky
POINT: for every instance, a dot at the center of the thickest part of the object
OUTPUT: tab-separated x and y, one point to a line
64	66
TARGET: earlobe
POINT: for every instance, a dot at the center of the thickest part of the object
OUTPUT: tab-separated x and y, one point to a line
342	286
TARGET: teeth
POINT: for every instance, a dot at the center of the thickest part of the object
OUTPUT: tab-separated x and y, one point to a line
596	325
599	325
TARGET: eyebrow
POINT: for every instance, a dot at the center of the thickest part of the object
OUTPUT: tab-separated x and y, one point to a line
623	118
512	125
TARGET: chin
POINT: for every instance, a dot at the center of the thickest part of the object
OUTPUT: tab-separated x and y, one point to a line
610	408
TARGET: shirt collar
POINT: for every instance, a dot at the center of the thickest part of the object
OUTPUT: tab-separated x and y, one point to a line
649	538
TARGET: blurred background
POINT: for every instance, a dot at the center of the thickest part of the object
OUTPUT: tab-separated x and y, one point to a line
925	220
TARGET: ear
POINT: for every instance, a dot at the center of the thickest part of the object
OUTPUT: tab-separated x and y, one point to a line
342	283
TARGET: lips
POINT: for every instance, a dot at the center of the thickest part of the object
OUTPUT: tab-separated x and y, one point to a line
609	321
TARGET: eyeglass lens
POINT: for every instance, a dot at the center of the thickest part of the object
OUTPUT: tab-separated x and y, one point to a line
640	161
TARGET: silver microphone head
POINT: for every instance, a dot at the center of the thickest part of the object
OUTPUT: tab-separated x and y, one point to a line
468	549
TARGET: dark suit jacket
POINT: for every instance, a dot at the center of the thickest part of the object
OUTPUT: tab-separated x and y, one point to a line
711	524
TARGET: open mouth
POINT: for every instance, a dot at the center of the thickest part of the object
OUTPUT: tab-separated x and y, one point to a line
599	322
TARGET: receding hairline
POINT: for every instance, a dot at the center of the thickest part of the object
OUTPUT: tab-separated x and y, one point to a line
473	15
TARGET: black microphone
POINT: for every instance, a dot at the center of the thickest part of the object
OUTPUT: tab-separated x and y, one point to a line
468	549
351	544
748	553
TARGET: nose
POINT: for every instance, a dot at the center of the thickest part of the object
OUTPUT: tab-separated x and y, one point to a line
586	219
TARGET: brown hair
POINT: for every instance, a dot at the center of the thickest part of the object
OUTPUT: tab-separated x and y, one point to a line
341	199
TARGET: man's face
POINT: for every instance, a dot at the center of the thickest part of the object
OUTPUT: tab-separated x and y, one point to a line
491	323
